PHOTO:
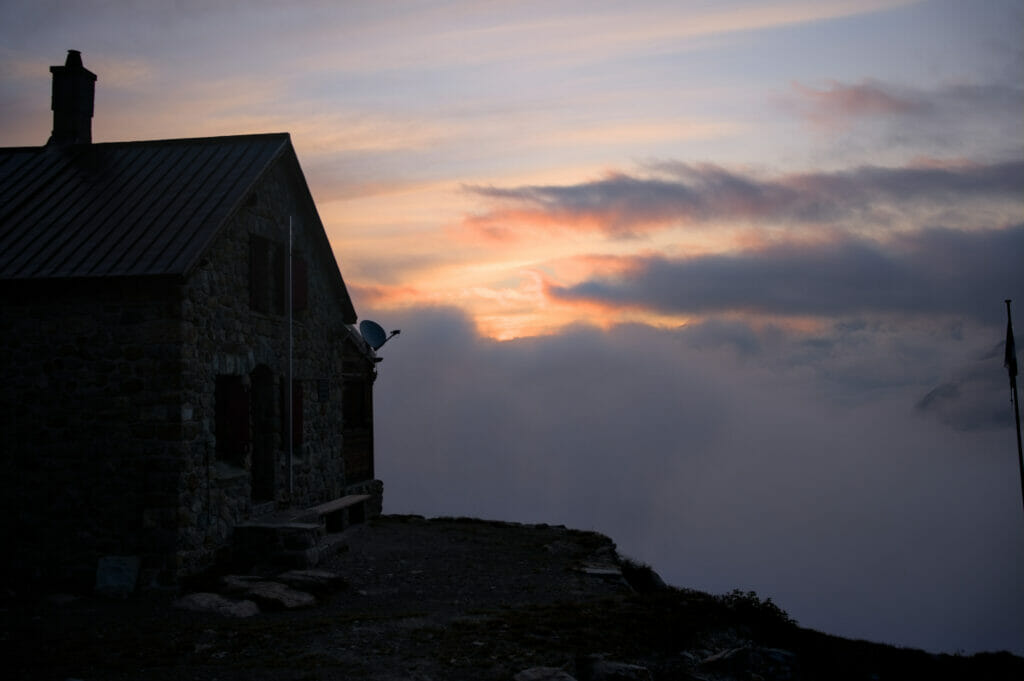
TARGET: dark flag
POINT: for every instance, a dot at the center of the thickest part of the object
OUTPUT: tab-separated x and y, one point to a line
1010	360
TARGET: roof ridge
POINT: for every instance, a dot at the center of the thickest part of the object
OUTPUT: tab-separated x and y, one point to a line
170	140
199	140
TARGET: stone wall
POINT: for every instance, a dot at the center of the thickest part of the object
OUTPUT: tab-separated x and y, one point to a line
375	488
90	424
224	335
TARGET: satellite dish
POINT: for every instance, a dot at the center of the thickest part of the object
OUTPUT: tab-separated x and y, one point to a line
374	334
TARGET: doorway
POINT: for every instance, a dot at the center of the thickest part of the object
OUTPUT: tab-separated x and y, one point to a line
264	434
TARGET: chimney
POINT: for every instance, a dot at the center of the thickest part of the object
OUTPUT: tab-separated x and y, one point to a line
73	90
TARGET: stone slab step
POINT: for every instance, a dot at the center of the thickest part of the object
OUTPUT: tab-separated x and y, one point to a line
264	509
290	543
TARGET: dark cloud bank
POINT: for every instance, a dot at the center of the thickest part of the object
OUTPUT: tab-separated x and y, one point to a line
831	472
625	205
933	271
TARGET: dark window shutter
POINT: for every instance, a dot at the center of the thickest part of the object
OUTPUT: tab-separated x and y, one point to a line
259	256
279	265
296	414
267	275
300	284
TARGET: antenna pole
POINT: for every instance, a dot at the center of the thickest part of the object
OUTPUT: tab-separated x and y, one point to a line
291	371
1011	367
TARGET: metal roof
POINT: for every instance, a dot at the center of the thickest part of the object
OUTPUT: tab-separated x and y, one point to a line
123	208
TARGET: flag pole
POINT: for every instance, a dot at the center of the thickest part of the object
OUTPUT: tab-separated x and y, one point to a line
1011	367
291	370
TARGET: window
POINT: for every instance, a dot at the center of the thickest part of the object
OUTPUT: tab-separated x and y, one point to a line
356	404
268	277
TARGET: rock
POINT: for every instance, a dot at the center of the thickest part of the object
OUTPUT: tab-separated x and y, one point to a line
601	570
725	657
596	668
561	547
776	663
772	663
642	577
116	576
543	674
236	584
317	582
208	602
269	595
620	671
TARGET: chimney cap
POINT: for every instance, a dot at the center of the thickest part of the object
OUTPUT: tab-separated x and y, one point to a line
73	64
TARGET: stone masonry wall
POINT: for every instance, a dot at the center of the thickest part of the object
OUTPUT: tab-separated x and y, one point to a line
224	335
90	425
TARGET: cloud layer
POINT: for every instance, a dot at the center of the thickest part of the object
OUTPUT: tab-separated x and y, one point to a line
936	271
730	456
687	194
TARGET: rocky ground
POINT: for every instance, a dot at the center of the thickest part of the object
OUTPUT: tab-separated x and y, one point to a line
448	599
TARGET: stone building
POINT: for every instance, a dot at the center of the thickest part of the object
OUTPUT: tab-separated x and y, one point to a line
169	370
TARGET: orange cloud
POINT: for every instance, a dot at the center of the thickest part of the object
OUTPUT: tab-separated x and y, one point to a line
378	296
509	225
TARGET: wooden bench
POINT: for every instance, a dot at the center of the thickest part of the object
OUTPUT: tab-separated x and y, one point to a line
342	512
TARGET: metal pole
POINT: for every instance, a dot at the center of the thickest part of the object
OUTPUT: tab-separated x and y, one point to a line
291	374
1011	362
1020	452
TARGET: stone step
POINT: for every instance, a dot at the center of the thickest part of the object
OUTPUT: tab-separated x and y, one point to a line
288	535
333	543
265	508
288	543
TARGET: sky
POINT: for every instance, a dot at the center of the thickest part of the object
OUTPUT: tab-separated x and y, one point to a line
722	280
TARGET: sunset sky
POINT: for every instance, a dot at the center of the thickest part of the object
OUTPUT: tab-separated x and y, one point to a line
723	280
